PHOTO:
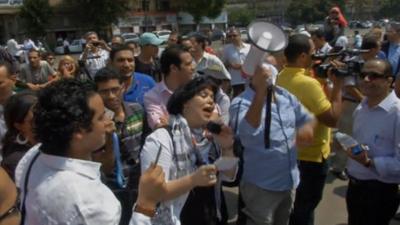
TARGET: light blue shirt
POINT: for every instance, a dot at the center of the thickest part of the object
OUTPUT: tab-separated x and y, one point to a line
379	128
394	56
273	169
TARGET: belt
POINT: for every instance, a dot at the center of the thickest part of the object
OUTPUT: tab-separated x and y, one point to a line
370	183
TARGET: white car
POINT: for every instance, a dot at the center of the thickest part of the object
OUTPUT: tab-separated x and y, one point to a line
74	47
163	34
130	37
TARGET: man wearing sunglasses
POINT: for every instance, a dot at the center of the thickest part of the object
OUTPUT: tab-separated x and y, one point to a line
352	96
372	197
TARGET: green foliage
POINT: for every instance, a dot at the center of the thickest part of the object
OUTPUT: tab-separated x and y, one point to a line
200	8
310	11
96	14
240	17
35	15
389	9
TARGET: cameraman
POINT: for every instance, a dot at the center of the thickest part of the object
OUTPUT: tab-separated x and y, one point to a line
312	158
95	54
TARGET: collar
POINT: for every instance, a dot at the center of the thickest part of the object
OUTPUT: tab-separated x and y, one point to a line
386	103
164	88
293	71
82	167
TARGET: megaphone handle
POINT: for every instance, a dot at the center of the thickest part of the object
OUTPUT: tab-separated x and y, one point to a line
267	128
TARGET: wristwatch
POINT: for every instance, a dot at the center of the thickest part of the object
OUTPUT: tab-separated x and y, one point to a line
150	212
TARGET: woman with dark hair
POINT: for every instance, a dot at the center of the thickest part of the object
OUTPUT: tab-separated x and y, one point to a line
183	150
19	137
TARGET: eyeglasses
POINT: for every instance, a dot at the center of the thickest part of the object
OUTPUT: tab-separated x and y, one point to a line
232	35
372	75
114	91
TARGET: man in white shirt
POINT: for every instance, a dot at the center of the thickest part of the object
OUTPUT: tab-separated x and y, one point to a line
372	195
96	53
58	181
203	59
321	46
13	47
233	56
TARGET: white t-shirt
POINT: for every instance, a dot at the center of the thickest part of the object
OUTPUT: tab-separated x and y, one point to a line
96	61
233	55
342	42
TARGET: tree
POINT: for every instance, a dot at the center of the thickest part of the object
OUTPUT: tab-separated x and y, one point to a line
309	11
35	15
202	8
96	14
390	9
240	17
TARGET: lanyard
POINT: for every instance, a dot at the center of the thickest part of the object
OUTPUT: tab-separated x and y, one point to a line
118	168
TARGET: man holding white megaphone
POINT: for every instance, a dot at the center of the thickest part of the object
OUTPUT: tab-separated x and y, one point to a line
267	130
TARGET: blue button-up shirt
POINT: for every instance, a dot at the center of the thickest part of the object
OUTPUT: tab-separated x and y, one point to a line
379	128
141	84
394	57
275	168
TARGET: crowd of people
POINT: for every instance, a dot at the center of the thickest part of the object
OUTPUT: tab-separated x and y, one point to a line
130	135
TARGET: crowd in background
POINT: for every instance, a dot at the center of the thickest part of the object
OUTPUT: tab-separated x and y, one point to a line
127	134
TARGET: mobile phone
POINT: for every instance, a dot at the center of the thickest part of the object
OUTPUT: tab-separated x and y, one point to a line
214	127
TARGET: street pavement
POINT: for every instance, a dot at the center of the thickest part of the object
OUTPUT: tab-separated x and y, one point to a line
330	211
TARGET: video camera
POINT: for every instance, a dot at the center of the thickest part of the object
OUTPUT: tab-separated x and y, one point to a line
353	65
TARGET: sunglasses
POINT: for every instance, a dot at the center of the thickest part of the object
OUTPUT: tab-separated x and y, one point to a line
372	75
232	35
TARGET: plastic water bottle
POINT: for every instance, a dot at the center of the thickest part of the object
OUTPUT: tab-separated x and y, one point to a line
348	142
345	140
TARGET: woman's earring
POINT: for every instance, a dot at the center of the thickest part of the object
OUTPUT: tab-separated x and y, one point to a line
21	139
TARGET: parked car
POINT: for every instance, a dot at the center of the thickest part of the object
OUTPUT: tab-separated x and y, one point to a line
130	37
163	34
74	47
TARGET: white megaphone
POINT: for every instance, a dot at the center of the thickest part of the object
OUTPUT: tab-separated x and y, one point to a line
264	37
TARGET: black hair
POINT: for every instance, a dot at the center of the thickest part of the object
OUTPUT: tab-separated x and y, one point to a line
11	70
34	50
87	34
369	42
319	33
120	37
388	68
298	44
201	39
105	74
182	39
118	48
62	109
171	56
15	111
183	94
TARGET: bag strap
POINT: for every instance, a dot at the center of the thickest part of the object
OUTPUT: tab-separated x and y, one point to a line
23	209
237	117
